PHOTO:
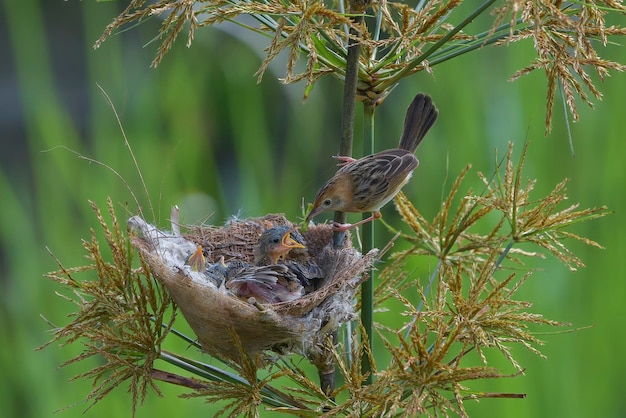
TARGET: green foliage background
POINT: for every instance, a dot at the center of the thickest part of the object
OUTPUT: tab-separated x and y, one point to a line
208	138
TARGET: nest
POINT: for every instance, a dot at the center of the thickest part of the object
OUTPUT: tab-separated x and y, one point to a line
227	326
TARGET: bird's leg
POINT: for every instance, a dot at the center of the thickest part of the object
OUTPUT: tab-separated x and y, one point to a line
344	227
343	160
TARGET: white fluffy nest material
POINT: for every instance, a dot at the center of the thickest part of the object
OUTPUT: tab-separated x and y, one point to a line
216	316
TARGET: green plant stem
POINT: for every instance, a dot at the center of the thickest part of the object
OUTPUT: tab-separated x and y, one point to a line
567	123
269	395
327	380
367	287
347	115
205	371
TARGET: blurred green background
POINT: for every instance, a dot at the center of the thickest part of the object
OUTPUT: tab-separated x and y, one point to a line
208	138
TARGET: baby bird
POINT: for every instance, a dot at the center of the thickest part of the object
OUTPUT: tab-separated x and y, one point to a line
275	243
266	284
216	273
273	278
286	245
268	281
197	261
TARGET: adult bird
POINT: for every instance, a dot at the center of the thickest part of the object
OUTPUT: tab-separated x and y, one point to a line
367	184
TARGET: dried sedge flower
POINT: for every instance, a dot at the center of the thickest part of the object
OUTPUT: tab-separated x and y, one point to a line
564	34
468	304
397	40
123	316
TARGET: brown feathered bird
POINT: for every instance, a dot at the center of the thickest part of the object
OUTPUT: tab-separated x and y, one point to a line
275	243
268	281
266	284
197	261
273	278
284	244
367	184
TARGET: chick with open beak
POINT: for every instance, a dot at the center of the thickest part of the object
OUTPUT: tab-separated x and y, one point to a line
274	244
197	260
271	280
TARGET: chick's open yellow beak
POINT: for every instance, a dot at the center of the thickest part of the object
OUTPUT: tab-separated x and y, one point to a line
289	242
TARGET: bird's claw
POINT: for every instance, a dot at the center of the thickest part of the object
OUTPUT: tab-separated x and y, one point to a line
339	227
343	160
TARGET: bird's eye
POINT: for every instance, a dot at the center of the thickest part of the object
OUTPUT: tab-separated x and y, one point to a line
327	202
276	240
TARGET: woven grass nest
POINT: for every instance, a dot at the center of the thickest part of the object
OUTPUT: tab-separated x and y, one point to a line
226	325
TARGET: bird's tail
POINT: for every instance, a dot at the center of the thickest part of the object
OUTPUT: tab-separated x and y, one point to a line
420	116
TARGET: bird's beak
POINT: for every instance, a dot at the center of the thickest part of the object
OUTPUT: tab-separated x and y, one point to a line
286	244
314	212
196	261
289	242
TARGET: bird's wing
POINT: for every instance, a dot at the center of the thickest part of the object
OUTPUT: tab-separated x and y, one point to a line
268	275
305	272
378	176
267	284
